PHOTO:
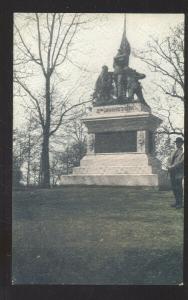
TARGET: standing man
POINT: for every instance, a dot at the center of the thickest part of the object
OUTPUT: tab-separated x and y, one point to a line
176	170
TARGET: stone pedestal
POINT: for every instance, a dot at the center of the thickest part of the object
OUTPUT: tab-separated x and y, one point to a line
119	148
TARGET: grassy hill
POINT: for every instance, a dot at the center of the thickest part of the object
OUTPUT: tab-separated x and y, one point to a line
96	235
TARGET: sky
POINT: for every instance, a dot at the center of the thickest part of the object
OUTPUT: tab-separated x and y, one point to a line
97	45
105	39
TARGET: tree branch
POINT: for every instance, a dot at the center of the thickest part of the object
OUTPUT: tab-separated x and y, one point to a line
50	43
61	45
35	100
57	37
39	44
28	53
64	113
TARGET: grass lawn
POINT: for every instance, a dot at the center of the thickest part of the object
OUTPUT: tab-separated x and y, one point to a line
96	235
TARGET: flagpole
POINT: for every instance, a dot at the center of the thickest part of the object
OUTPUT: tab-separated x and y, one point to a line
124	24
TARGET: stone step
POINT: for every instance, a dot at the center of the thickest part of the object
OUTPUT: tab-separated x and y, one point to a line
111	180
114	163
115	160
113	170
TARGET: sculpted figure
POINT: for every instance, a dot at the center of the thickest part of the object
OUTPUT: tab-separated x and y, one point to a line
134	86
103	88
119	65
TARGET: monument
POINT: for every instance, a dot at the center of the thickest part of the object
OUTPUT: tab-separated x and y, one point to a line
121	126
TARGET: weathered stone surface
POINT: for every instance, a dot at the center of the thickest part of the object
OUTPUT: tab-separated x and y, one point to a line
117	180
118	159
123	109
113	170
129	169
131	116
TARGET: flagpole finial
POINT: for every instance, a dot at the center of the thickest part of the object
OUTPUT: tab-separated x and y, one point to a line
125	48
124	25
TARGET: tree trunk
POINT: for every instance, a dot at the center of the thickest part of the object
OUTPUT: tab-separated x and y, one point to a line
29	160
45	163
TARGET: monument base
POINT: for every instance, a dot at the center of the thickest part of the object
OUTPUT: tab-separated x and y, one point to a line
111	180
120	169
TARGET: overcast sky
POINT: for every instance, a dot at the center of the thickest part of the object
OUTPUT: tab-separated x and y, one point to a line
105	39
98	45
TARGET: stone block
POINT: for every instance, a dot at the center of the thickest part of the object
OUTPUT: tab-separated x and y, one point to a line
111	180
113	170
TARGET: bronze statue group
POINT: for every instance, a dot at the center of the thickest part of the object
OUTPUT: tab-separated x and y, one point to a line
121	85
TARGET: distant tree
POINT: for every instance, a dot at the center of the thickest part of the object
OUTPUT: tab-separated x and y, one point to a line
35	172
56	168
63	162
72	155
16	173
165	57
76	153
71	142
26	153
163	149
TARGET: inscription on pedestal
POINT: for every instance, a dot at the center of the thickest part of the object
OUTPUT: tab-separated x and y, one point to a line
115	142
129	107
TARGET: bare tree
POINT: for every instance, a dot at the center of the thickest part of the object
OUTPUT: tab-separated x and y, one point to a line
73	148
39	60
26	149
75	129
166	58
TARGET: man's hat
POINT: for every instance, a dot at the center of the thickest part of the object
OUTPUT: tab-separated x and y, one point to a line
179	140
